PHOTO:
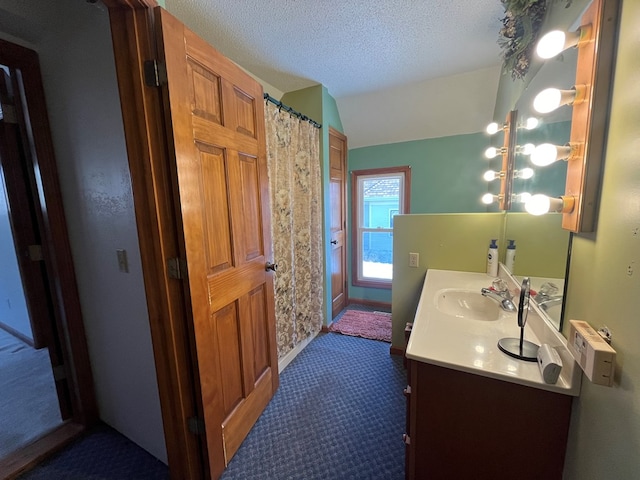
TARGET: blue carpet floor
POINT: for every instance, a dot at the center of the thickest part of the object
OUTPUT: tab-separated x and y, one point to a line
103	454
339	414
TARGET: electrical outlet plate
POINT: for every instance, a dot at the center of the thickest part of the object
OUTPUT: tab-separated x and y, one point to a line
414	260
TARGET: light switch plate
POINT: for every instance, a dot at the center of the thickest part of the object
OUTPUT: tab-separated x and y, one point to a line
123	263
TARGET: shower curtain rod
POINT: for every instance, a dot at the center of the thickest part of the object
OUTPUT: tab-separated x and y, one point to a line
291	111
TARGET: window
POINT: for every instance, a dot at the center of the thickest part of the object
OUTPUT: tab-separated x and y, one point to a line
377	196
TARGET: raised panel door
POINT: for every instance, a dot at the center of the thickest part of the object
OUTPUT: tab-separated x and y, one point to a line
217	119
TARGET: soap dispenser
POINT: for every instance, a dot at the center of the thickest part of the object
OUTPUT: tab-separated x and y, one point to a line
511	255
492	259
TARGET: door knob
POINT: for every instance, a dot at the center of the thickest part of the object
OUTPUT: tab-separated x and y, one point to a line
334	242
271	266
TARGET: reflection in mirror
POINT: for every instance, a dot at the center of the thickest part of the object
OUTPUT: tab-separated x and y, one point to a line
541	255
552	128
542	244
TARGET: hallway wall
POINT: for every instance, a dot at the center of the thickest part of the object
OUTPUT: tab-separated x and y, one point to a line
73	40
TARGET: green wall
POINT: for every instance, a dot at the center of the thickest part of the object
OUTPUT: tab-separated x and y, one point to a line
446	172
541	244
316	103
307	101
604	285
446	177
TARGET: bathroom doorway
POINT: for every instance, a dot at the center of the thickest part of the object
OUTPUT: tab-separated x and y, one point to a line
47	394
29	400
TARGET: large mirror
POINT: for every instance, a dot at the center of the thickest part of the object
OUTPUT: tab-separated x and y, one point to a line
541	244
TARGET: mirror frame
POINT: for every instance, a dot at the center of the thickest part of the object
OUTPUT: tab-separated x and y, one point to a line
590	118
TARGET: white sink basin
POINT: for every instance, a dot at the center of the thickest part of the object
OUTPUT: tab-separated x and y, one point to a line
456	327
467	304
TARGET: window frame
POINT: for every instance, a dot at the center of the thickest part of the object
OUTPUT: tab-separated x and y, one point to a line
404	208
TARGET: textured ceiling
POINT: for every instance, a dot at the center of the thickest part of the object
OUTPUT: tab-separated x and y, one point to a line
349	46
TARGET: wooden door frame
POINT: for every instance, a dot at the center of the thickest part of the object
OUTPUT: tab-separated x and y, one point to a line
154	191
56	252
343	194
19	183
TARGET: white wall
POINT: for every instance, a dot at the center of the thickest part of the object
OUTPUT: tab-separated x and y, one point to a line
440	107
73	40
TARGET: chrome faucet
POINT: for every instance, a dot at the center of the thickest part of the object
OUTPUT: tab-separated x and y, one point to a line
548	296
548	301
503	298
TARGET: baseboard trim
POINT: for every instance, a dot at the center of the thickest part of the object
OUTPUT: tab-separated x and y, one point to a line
27	457
286	360
370	303
396	351
326	328
19	335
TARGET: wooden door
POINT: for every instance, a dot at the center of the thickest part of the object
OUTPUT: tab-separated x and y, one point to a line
216	114
21	190
337	189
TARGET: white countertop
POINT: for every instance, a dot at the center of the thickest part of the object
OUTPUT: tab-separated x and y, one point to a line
471	345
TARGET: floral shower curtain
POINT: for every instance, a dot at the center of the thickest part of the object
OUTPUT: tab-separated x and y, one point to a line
293	158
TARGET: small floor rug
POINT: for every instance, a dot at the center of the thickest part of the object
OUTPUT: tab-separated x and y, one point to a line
358	323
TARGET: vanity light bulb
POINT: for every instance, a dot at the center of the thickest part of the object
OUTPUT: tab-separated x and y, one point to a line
491	152
557	41
489	175
487	198
527	149
551	98
525	173
538	204
523	197
531	123
551	44
547	100
492	128
544	154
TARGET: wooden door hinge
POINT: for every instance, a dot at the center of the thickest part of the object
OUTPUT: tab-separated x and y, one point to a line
155	73
177	268
196	425
34	252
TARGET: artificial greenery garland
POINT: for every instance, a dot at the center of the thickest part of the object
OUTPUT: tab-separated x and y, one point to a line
519	32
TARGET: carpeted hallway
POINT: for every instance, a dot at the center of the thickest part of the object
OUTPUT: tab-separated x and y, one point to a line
339	414
28	399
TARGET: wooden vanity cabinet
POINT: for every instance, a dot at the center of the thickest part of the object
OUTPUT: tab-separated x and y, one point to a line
465	426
